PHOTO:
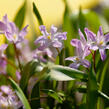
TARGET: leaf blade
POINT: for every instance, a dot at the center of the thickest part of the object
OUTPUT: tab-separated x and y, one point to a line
20	94
37	14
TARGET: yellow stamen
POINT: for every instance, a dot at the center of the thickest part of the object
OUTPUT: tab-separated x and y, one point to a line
77	59
49	37
14	36
101	42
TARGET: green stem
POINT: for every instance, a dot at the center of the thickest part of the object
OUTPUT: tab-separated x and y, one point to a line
17	56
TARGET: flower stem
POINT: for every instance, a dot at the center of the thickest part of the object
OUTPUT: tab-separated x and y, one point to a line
17	56
94	61
9	62
93	56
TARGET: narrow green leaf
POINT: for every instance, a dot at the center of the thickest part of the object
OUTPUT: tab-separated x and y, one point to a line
83	89
92	90
92	20
11	59
62	73
35	103
81	21
101	94
20	16
67	26
20	94
37	14
53	94
29	69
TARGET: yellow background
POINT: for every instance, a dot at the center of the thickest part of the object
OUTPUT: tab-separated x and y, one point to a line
50	10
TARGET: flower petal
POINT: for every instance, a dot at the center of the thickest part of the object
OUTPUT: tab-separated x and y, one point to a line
74	42
9	36
94	47
5	19
23	32
100	32
86	52
85	63
107	37
2	27
61	36
11	27
103	54
90	35
71	58
107	46
57	44
79	50
39	39
43	30
53	29
82	38
74	65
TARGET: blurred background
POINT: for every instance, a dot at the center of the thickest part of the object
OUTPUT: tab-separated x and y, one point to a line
50	10
68	15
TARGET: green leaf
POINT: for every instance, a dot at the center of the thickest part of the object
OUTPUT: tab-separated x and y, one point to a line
29	69
62	73
11	61
53	94
20	94
83	89
93	20
67	26
35	103
20	16
81	20
92	90
37	14
101	94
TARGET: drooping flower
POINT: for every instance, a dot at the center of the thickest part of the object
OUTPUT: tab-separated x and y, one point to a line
8	98
51	40
99	42
79	59
11	32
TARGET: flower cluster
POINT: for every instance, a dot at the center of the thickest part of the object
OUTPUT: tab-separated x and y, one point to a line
8	99
84	47
11	32
50	43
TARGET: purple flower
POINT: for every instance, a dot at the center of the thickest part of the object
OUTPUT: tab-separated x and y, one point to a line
83	41
52	39
2	48
80	58
39	55
11	32
98	42
8	99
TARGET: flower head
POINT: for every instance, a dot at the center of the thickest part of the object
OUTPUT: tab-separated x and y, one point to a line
99	42
11	32
8	99
80	58
53	38
50	42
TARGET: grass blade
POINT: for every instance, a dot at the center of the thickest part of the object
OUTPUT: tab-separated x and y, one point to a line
37	14
20	94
